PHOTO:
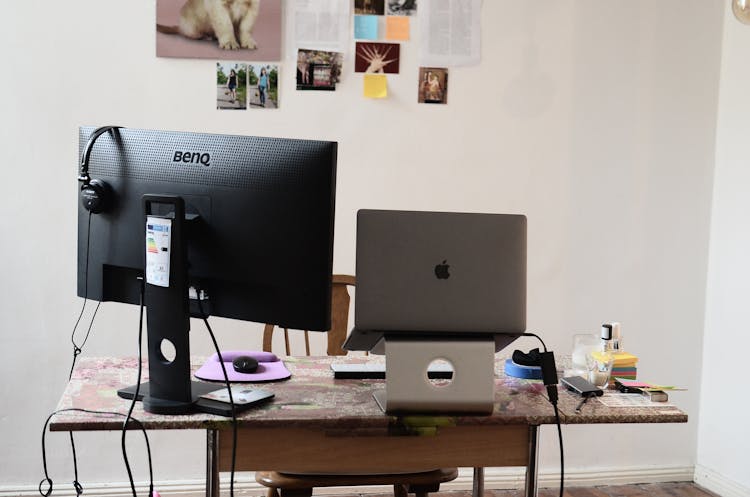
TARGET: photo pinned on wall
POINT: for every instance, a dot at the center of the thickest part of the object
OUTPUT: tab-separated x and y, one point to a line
402	7
371	7
318	70
433	85
189	29
262	86
377	58
231	86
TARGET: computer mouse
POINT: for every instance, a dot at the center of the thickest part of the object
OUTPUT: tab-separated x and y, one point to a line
245	364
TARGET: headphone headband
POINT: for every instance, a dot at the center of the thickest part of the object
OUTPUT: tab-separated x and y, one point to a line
83	175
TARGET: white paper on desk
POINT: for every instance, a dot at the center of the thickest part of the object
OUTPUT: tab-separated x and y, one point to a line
240	395
629	400
322	24
450	32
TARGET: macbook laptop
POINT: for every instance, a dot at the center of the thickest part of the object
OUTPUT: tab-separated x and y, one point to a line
438	275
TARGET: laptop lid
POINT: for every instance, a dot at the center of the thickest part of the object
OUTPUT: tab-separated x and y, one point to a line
439	273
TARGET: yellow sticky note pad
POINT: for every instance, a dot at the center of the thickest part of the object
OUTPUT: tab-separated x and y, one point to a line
376	86
397	28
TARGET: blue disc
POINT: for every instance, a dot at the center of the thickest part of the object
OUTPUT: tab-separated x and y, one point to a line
519	371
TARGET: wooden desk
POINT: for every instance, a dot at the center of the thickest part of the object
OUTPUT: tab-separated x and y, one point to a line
317	423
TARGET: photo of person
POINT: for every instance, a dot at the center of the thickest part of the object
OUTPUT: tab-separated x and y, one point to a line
433	85
372	7
318	70
231	86
402	7
219	29
262	86
377	58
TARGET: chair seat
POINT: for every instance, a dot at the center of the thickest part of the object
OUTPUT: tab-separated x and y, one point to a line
276	479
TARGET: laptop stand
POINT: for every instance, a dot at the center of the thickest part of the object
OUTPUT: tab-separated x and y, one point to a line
409	390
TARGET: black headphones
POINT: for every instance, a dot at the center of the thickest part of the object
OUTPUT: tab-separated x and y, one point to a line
96	195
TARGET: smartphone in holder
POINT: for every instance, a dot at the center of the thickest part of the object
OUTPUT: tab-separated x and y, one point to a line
581	386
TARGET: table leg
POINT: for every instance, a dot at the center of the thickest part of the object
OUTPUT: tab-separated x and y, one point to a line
477	489
212	463
532	466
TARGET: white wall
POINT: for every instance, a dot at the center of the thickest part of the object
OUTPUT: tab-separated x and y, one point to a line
596	119
723	430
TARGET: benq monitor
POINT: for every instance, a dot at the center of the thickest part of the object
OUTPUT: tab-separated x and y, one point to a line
258	221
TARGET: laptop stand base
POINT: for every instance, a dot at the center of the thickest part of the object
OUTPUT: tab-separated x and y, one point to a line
471	390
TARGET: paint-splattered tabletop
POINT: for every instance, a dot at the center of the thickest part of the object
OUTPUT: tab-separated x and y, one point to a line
312	398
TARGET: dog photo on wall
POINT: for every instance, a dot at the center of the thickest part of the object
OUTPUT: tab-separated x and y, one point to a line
219	29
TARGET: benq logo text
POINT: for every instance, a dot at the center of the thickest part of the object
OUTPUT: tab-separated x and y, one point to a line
192	158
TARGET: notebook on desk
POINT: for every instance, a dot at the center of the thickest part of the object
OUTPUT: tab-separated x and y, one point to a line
438	274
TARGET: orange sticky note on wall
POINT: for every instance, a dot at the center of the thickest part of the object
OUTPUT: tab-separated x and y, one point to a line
376	86
397	28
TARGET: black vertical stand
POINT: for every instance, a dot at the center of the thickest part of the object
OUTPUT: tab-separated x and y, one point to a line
168	317
169	390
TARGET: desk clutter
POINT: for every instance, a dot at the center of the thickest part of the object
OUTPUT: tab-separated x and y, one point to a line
601	358
602	361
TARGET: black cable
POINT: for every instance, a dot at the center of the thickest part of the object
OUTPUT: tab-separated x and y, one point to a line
77	349
560	440
129	416
229	389
47	480
552	398
537	337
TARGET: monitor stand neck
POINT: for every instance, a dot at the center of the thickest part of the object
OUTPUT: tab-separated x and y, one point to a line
169	390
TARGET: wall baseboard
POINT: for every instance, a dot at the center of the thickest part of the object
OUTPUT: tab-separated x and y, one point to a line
494	478
717	483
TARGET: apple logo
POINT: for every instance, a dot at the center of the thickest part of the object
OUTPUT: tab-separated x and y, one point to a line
441	271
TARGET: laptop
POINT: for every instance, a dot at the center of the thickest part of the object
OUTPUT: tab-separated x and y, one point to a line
438	275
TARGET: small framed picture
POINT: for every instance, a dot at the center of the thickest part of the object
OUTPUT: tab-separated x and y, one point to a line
402	7
318	70
433	85
377	58
369	7
231	86
262	86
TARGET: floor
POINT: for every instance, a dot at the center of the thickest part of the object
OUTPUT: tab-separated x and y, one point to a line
641	490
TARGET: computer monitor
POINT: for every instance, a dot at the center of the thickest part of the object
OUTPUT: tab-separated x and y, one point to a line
257	230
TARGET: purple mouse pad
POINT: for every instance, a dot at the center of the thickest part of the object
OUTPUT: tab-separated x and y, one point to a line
270	368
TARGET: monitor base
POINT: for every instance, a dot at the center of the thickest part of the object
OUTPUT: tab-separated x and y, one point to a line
198	404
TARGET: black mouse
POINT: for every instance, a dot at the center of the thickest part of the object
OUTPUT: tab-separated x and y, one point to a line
245	364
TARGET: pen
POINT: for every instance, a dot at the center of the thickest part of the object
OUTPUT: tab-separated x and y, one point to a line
583	401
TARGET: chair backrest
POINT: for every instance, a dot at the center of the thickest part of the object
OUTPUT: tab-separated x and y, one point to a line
340	300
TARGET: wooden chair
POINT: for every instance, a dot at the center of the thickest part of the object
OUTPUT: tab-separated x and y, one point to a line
301	485
339	319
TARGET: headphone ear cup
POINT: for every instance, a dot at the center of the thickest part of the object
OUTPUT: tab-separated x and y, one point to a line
96	196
